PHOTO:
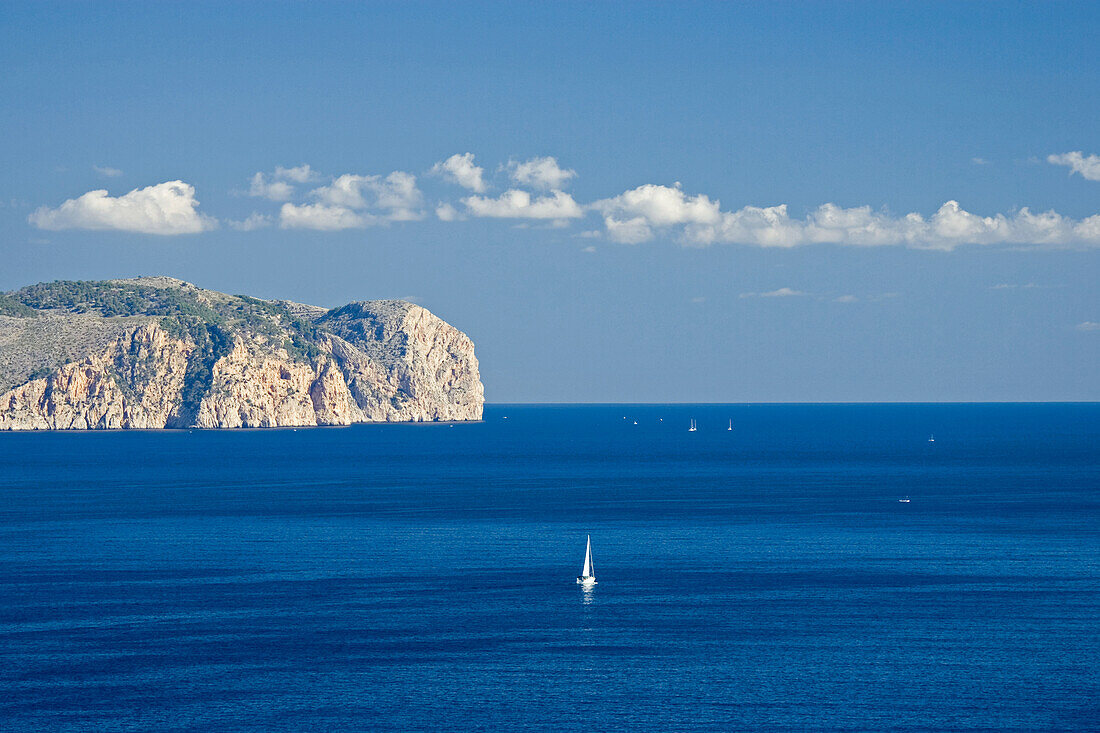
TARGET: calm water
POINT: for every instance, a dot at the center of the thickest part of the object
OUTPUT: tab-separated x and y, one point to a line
421	577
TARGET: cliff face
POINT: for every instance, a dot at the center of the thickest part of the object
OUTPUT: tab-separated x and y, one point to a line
155	353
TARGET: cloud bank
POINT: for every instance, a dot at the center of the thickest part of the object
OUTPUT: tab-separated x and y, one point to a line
165	209
642	213
531	191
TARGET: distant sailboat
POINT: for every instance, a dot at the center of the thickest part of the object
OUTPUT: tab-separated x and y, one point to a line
931	438
731	425
904	500
692	428
588	574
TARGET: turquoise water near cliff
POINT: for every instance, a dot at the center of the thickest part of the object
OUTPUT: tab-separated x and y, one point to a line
421	577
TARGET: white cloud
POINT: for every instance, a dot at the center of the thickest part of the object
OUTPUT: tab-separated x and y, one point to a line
277	188
396	195
1088	167
643	213
516	204
632	216
589	249
628	231
1088	326
950	227
166	208
322	217
979	161
298	174
761	226
107	171
544	173
260	187
446	212
846	299
699	299
254	221
780	293
1012	286
460	169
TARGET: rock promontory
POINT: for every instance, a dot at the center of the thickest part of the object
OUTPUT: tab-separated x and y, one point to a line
156	352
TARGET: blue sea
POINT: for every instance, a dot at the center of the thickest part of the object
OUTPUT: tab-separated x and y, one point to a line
422	577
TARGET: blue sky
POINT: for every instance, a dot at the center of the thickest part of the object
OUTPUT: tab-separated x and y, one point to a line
593	191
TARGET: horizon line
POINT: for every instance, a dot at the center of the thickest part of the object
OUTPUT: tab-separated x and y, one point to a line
793	402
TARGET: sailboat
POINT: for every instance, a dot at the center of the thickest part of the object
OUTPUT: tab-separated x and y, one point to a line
588	574
931	438
692	428
731	425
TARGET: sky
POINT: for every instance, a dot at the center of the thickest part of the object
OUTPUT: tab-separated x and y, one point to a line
618	202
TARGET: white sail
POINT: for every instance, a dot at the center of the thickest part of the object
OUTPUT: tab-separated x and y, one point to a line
589	571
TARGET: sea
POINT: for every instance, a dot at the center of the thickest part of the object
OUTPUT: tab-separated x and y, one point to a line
422	577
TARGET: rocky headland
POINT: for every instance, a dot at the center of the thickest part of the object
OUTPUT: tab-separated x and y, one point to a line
156	352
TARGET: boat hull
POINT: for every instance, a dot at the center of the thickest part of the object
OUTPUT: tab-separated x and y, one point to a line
586	580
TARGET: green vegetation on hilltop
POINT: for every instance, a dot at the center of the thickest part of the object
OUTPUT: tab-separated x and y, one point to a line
185	312
9	306
114	299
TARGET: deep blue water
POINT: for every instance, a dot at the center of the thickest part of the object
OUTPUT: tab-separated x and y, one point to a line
421	577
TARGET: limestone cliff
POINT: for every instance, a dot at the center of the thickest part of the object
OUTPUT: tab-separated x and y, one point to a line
158	352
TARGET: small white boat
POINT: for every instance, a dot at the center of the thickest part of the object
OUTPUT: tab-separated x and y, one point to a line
635	422
731	425
692	428
931	438
588	574
904	500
